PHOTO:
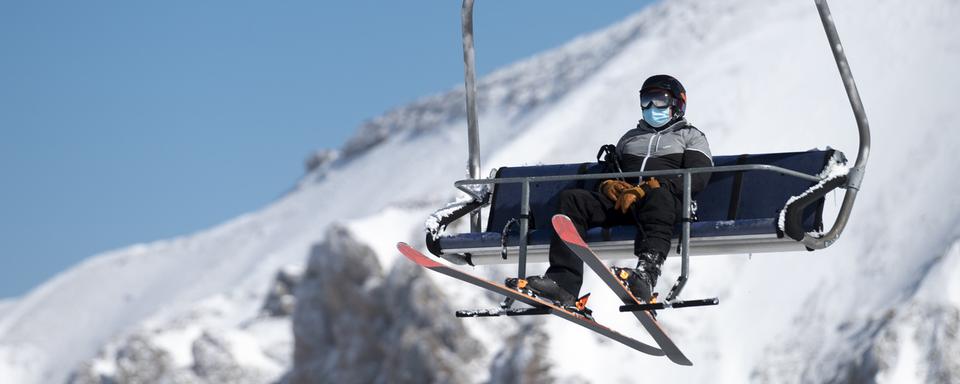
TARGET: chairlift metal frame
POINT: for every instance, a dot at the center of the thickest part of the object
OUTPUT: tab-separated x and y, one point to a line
811	241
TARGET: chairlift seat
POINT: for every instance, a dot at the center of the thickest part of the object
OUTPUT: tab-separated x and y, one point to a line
737	212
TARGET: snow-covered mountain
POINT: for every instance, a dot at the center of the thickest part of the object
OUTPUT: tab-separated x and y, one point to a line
881	305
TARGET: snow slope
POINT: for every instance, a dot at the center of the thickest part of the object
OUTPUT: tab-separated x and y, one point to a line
5	304
760	78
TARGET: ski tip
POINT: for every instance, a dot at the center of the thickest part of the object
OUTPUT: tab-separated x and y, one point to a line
416	256
567	232
560	219
683	361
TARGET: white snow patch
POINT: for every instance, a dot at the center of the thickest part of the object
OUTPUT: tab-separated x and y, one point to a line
909	358
432	224
942	285
246	350
833	170
384	229
21	363
106	366
275	337
178	343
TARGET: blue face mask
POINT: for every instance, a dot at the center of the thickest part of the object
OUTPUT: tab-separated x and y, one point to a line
657	117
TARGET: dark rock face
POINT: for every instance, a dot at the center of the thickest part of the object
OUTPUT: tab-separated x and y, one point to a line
139	361
280	299
922	336
932	329
85	374
214	363
523	358
320	158
355	324
939	327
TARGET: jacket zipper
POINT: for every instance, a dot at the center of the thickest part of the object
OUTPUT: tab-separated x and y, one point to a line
643	165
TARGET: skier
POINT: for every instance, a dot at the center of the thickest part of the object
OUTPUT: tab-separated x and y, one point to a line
662	140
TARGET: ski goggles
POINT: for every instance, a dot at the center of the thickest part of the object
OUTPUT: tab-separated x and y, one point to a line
656	98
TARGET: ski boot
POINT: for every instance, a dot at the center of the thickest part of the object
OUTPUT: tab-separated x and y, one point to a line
546	288
642	279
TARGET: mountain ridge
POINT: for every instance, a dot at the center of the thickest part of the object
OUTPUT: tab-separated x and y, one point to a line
760	79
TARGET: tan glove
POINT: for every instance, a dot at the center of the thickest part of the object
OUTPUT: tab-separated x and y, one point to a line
630	196
613	188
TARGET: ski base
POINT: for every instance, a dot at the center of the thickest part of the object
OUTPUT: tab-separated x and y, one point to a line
504	312
568	233
665	305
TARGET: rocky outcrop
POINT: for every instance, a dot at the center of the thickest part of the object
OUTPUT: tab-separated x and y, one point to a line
913	340
280	299
137	360
921	341
319	159
215	361
140	360
356	324
523	358
196	348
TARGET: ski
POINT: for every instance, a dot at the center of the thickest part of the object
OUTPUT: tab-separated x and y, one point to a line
576	318
568	233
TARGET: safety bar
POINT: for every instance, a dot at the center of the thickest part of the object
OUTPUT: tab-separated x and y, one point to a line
685	173
855	176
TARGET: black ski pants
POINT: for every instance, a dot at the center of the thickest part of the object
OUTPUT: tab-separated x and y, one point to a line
655	216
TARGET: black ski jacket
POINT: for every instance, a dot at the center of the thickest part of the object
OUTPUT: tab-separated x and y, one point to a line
677	145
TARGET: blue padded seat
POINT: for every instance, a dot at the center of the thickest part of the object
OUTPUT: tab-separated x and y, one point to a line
733	204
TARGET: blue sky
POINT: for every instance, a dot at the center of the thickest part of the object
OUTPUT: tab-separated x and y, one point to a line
132	121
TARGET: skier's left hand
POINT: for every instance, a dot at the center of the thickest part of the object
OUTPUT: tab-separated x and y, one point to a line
630	196
613	188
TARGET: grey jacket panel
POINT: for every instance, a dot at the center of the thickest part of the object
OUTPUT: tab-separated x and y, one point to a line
679	145
644	141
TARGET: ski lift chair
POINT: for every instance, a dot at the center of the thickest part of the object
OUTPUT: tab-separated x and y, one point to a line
753	203
738	212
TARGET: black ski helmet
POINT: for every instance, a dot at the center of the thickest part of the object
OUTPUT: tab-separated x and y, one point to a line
669	84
